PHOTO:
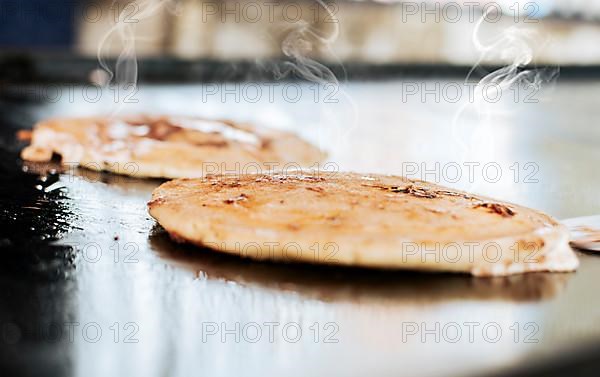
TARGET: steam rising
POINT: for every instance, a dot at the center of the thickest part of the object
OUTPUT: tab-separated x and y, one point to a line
514	46
125	74
301	40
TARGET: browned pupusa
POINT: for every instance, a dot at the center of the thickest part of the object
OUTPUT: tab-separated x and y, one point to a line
167	147
362	220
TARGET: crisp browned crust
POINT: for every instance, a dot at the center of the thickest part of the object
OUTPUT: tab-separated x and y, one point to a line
167	147
363	220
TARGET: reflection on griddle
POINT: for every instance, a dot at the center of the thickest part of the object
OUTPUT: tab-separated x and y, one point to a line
115	180
333	283
36	275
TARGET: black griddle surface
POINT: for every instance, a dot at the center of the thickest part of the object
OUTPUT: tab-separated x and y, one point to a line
78	247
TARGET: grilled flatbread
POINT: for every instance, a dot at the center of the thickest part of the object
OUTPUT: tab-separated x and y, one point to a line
361	220
167	147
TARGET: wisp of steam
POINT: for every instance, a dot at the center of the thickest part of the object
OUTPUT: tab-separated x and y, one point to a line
124	76
302	38
515	45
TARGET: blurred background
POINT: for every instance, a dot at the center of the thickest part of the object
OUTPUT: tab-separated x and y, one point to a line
372	33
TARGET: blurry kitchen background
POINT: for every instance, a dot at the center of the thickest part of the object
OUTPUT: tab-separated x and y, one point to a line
373	32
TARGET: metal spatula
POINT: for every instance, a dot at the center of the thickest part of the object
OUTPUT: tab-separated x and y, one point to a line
585	232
